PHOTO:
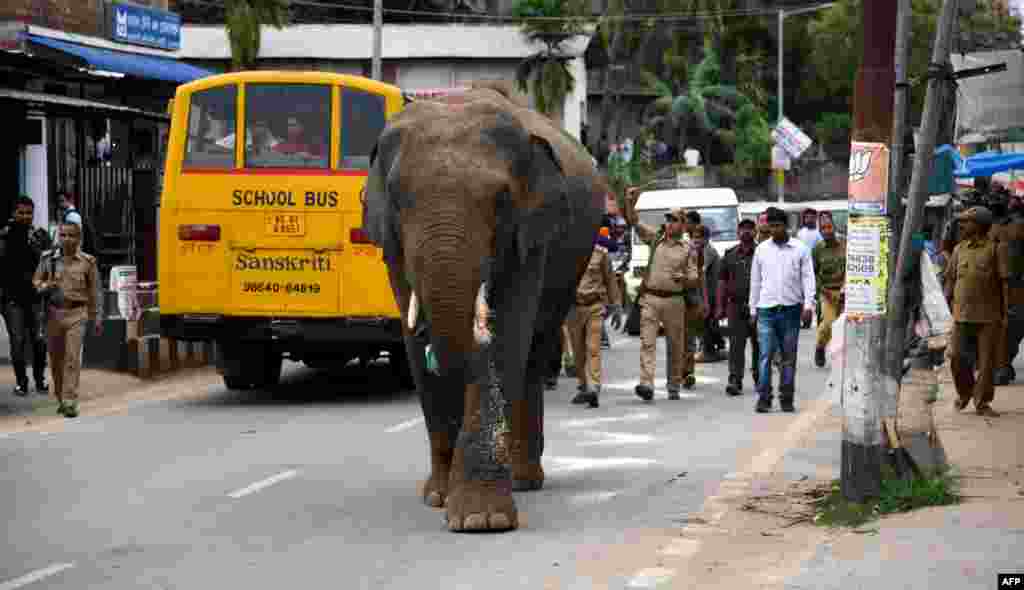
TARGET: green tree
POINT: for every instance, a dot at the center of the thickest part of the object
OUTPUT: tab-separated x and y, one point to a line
244	21
704	105
834	40
546	74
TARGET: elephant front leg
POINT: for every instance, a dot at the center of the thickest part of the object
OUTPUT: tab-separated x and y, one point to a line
480	496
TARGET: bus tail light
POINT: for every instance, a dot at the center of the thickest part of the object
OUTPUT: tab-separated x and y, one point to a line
358	235
199	233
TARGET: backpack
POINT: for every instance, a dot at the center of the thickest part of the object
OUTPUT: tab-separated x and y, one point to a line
89	245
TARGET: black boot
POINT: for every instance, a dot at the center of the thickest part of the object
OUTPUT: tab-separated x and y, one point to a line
581	394
21	377
645	392
735	386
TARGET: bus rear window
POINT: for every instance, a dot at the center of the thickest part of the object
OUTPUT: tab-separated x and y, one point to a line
211	128
362	120
287	125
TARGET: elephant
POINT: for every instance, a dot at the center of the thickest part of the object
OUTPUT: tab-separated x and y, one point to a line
479	199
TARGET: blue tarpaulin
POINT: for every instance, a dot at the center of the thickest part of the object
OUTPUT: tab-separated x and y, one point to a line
983	164
131	64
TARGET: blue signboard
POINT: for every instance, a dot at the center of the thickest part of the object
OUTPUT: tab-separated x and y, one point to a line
145	26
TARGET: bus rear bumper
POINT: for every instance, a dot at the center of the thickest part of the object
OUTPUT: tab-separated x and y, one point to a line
282	330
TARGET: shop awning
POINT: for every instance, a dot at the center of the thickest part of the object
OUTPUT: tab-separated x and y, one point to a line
983	164
130	64
53	102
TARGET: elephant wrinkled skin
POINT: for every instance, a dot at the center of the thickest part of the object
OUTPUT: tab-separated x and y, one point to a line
472	190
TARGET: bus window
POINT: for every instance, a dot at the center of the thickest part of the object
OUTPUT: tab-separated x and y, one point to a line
211	128
362	120
287	125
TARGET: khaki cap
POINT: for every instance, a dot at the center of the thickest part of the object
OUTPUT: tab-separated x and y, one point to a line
979	214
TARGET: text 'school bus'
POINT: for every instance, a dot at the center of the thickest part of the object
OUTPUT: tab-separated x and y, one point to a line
261	247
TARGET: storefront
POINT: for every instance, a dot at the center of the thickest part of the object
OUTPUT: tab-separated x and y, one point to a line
90	120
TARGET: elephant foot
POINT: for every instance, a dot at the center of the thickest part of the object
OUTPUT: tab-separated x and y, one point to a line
482	506
434	490
527	477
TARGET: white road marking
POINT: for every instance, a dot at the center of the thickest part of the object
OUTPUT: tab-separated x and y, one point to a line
404	425
591	497
615	438
35	576
653	577
564	464
589	422
263	483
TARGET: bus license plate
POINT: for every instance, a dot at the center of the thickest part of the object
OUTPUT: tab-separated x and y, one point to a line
286	224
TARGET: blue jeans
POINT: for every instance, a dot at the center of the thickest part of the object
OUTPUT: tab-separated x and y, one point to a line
778	329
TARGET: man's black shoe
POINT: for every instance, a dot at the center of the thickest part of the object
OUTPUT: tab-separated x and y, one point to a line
551	383
644	392
819	356
21	390
734	389
763	407
787	406
581	394
590	398
42	387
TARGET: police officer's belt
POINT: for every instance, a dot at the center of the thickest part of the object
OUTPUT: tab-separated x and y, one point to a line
658	293
588	300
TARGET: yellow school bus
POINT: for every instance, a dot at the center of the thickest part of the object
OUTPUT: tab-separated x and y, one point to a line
261	247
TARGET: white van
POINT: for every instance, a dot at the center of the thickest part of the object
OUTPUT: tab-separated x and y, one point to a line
719	212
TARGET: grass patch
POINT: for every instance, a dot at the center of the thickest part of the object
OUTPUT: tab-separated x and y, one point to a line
897	495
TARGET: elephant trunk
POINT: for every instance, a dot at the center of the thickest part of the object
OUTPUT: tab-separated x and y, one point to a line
450	280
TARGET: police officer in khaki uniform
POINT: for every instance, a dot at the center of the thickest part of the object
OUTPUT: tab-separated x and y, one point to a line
1011	233
829	257
976	288
68	280
672	269
597	289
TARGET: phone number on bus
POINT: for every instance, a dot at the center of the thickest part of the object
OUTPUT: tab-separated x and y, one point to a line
286	288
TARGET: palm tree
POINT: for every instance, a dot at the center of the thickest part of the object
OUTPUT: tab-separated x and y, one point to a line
704	105
244	20
546	74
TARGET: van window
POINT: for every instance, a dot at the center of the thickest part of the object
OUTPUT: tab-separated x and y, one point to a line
720	221
211	128
287	125
362	120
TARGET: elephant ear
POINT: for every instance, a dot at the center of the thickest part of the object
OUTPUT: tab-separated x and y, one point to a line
380	205
540	211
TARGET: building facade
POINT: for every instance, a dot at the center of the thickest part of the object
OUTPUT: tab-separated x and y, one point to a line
419	58
85	86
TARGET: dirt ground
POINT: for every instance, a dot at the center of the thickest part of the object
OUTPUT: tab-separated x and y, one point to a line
102	393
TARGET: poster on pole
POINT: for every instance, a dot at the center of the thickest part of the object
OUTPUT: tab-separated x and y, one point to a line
867	271
868	186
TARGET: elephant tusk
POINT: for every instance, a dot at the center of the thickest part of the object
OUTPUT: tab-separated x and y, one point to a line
414	311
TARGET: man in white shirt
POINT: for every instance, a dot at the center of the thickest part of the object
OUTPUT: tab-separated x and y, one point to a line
810	236
781	295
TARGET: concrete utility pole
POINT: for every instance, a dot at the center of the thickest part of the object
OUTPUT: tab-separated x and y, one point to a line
783	13
378	26
918	194
863	383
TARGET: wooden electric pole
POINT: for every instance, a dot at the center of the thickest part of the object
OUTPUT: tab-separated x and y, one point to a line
378	26
938	78
864	386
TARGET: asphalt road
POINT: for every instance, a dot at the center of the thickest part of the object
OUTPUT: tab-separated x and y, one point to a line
313	485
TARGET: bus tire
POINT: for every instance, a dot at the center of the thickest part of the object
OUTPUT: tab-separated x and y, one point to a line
236	382
272	369
400	365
